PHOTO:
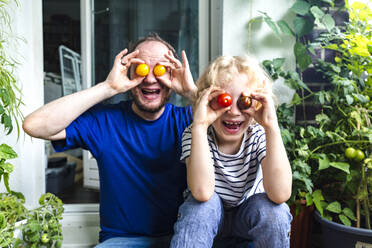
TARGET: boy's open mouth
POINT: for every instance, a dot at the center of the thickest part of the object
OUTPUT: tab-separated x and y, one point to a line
232	125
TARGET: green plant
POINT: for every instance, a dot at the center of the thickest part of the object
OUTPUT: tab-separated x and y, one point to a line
41	226
339	186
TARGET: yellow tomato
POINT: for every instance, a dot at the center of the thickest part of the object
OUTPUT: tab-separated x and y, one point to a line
159	70
142	70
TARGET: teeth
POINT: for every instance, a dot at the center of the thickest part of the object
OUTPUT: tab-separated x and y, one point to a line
150	91
232	122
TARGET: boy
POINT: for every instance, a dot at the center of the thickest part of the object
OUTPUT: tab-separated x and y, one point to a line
237	168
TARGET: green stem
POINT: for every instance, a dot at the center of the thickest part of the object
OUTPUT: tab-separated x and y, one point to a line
340	142
365	200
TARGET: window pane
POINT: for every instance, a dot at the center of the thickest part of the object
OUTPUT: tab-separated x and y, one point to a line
117	22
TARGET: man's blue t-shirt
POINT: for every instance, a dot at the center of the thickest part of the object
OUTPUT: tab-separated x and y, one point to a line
141	178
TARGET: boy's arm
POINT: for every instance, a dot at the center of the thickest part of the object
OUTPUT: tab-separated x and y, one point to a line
200	170
276	168
49	121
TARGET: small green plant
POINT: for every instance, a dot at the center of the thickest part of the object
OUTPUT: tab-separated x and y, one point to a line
40	226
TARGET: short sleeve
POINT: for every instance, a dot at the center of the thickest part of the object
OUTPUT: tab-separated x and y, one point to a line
186	143
83	132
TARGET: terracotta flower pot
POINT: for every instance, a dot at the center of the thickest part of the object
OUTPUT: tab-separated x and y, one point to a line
301	225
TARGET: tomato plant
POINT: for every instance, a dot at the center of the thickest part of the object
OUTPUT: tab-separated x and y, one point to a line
142	70
159	70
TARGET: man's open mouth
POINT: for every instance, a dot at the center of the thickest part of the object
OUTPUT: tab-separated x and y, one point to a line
150	91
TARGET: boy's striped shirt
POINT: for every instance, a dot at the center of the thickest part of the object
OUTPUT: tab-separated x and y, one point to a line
237	176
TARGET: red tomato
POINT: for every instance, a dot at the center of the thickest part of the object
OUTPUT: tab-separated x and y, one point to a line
224	100
244	102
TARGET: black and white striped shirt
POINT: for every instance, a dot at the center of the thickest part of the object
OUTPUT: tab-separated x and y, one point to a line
237	176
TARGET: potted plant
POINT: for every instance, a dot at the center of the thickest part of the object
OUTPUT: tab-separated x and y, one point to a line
37	227
330	156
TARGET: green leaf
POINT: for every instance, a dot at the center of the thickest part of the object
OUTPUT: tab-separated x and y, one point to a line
7	167
284	27
318	198
309	199
349	213
344	220
5	119
302	25
6	182
323	162
341	166
349	99
317	12
334	207
272	25
321	97
4	97
1	109
302	57
330	2
328	22
278	62
296	99
6	152
300	7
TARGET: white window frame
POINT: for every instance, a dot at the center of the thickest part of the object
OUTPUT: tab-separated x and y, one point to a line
210	46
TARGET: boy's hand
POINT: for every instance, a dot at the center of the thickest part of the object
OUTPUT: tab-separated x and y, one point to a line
203	114
118	77
181	80
263	109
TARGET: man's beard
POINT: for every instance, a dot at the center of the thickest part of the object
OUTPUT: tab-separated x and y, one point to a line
144	108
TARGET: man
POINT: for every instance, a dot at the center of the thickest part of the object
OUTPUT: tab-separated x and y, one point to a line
136	143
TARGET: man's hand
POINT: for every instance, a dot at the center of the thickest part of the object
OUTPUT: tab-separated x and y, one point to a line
118	77
181	80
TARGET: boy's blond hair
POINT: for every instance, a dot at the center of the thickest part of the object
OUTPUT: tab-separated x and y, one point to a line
223	69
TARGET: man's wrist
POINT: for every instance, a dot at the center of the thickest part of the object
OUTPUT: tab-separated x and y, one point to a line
107	89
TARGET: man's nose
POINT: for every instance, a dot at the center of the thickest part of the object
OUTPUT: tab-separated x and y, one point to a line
150	78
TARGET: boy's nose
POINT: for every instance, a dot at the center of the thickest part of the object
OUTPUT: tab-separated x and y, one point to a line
234	110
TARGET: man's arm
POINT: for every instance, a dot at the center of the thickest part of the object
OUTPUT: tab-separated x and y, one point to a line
49	121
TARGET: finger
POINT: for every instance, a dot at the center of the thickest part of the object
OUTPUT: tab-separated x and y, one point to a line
165	81
215	93
121	54
126	58
221	111
136	61
173	60
184	59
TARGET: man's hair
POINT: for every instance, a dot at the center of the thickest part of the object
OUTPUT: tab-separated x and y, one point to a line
152	37
223	69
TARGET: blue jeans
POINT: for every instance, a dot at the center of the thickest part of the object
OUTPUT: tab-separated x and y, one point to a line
136	242
258	219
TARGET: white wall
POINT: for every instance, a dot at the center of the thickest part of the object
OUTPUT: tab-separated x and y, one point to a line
260	42
29	174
